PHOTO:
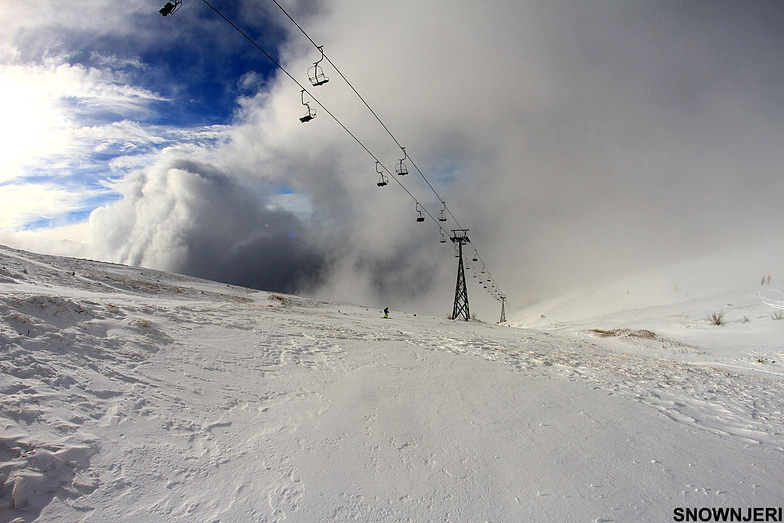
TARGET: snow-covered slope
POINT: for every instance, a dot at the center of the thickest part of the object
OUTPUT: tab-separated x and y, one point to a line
733	320
134	395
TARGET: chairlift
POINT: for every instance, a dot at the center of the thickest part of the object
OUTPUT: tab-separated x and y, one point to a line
443	236
401	168
311	112
316	73
170	7
420	217
442	214
475	258
382	181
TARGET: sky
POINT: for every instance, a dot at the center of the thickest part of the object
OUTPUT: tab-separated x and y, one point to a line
577	141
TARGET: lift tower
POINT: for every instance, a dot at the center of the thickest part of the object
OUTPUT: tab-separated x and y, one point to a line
503	310
460	237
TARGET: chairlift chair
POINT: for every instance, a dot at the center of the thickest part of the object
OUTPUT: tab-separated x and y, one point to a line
382	181
442	214
420	217
170	7
401	168
316	73
443	236
311	112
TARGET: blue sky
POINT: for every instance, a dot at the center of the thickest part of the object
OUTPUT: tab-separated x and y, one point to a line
577	140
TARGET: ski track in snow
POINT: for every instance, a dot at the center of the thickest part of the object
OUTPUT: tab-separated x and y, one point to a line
131	394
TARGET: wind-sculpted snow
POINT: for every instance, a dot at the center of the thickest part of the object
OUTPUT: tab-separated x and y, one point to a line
775	299
708	396
135	395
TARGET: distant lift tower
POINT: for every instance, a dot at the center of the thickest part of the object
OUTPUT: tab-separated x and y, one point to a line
503	310
460	237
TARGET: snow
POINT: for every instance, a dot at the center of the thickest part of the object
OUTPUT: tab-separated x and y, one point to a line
134	395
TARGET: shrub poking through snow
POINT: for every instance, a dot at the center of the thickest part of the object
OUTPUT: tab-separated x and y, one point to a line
717	318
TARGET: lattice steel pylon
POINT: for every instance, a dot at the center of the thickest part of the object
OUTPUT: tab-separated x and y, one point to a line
503	310
460	237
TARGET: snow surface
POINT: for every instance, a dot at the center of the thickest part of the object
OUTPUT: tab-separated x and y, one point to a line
134	395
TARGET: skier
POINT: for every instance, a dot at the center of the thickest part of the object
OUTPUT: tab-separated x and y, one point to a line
386	312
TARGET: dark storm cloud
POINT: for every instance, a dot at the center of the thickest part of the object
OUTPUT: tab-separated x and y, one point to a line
611	137
407	273
578	141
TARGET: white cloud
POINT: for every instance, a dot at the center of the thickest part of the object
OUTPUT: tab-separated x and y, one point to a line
44	107
47	131
66	240
20	204
31	122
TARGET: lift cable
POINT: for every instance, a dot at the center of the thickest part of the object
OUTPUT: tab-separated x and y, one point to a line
337	70
304	90
337	120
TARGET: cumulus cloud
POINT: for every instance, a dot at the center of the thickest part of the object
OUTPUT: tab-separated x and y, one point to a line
189	217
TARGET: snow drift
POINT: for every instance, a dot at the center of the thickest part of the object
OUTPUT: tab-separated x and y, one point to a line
136	395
